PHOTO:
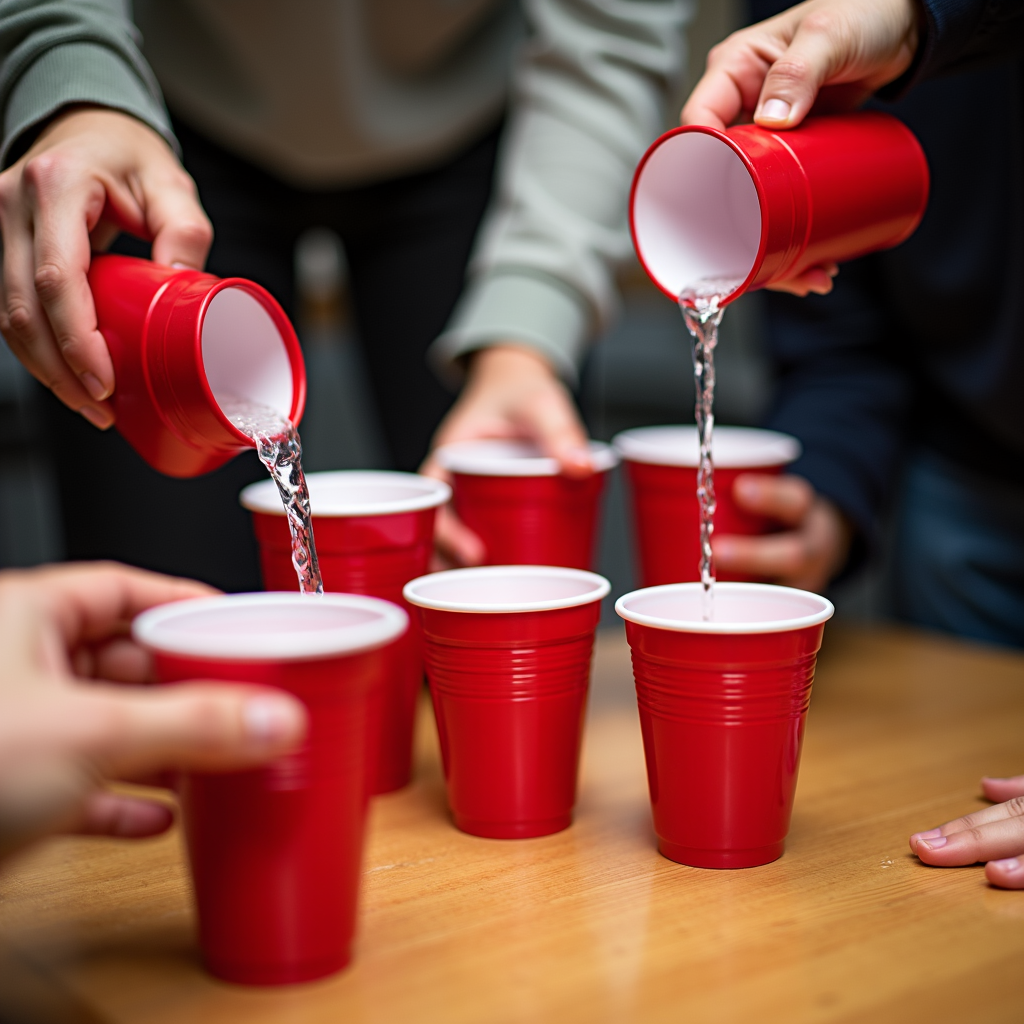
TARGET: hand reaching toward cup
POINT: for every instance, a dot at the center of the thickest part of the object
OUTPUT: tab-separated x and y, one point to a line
823	55
68	722
510	392
90	174
994	835
807	554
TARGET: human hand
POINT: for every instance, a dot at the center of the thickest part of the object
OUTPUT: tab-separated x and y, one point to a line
66	726
823	54
510	392
995	835
807	555
91	173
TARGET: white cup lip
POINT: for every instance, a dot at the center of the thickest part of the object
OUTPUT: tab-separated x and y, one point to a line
601	588
677	446
824	613
513	458
391	623
327	493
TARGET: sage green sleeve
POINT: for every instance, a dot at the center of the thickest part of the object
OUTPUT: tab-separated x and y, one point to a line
57	53
589	95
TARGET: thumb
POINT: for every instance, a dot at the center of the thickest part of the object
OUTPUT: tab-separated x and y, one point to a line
792	83
200	726
785	498
181	231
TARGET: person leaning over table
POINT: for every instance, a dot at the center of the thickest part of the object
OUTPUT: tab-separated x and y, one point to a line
882	363
70	717
384	119
906	380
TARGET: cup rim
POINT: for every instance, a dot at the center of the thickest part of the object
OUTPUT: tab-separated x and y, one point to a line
263	497
390	624
824	613
601	589
486	458
659	446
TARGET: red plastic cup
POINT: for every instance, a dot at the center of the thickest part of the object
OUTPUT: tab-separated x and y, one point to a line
182	342
722	709
661	464
508	653
374	532
516	501
760	206
276	852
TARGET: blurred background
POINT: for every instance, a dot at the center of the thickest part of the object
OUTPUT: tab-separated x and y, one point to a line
637	374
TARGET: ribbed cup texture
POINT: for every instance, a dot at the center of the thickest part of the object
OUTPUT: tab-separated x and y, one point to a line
509	704
722	720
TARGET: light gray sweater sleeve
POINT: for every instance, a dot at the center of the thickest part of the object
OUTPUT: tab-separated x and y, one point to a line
53	54
588	98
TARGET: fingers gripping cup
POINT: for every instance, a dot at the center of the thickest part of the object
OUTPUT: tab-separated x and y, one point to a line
754	206
374	533
183	344
508	652
661	464
276	852
516	501
722	709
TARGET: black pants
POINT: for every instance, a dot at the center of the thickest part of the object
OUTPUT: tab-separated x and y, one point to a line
407	241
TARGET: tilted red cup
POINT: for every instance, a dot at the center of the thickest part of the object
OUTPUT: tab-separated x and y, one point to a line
517	502
757	206
182	343
276	852
374	532
661	465
722	710
508	652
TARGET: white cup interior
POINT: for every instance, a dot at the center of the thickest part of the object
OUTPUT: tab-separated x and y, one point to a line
244	354
513	458
738	608
277	627
696	213
354	493
731	447
506	588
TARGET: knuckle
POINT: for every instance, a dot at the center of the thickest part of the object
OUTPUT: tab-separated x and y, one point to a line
19	317
788	71
50	279
1015	805
820	21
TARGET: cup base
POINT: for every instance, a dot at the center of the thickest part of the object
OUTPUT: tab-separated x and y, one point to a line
725	859
391	784
276	974
512	829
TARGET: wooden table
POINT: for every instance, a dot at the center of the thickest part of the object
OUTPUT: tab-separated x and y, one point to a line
592	925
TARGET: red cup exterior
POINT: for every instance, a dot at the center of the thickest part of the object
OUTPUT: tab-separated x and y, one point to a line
376	556
276	852
722	717
666	519
832	189
151	317
531	520
510	693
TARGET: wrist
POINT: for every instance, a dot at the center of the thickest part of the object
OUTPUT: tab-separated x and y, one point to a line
507	358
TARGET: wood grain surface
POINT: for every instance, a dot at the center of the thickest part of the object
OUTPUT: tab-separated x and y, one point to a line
592	925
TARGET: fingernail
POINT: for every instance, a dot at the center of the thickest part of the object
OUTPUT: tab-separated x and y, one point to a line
1009	864
933	844
95	386
97	417
775	110
180	266
932	833
269	720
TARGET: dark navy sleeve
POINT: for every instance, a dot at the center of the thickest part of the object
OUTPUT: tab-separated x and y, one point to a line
961	35
843	393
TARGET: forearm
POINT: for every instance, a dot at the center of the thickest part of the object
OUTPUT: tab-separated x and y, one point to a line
589	97
56	54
